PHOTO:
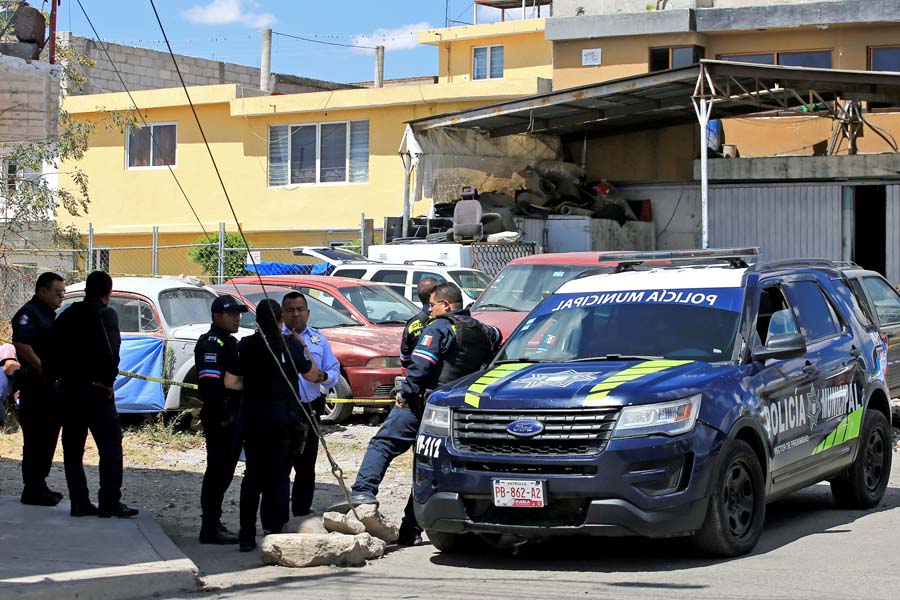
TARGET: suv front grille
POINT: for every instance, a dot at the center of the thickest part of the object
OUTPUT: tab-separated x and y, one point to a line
567	432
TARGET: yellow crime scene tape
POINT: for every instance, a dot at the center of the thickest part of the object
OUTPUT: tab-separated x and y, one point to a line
194	386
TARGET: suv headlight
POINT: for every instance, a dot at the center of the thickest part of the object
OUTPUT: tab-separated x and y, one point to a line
436	420
667	418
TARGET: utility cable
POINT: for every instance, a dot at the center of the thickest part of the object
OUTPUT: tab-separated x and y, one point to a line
315	41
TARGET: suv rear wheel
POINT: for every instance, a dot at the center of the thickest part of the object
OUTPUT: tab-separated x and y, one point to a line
737	506
863	484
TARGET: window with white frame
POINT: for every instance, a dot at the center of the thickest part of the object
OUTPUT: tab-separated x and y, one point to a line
319	153
15	176
487	62
151	145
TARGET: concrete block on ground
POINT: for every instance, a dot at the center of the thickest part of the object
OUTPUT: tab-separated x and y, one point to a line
343	523
305	525
310	550
377	524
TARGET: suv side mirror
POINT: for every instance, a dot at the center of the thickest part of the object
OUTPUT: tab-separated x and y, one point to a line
782	345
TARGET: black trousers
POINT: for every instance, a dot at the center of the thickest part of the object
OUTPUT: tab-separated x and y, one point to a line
266	488
40	418
223	450
89	408
305	467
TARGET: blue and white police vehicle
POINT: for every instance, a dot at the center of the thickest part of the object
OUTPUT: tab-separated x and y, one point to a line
675	401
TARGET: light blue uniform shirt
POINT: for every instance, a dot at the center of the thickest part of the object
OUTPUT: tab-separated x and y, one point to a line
320	351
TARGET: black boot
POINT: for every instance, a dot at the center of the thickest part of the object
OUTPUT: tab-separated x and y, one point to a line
217	534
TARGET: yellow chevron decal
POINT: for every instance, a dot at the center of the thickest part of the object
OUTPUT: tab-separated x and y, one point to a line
473	394
602	389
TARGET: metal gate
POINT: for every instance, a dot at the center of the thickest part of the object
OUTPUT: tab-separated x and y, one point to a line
785	221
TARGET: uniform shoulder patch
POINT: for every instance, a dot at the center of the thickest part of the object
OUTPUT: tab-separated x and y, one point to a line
212	338
426	340
23	320
211	358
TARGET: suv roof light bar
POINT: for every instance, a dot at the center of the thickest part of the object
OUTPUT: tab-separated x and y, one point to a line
734	256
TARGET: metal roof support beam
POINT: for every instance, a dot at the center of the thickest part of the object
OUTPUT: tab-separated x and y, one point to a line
703	104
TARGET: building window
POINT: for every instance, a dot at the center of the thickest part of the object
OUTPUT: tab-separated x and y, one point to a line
487	62
819	59
15	177
319	153
884	58
151	145
674	57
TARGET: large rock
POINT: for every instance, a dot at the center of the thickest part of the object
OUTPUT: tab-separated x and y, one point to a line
342	523
23	50
377	524
310	550
30	24
305	525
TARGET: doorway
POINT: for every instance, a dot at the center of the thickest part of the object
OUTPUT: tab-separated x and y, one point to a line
869	227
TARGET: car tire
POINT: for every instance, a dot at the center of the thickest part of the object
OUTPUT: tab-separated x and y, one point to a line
737	505
451	543
338	413
864	483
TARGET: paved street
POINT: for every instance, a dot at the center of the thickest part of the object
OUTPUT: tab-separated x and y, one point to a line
809	550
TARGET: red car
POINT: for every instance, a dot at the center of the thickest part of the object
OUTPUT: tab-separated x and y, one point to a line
363	322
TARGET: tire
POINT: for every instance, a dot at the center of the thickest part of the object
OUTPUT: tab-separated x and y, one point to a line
737	505
451	543
338	413
864	483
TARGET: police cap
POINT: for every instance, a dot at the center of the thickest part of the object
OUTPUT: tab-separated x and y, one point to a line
228	303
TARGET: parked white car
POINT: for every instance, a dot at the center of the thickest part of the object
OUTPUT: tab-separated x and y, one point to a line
173	308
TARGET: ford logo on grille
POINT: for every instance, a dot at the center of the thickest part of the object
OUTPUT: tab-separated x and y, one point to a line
525	428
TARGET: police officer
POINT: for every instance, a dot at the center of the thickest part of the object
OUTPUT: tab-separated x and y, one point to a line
451	346
267	369
213	354
39	408
295	310
417	323
90	329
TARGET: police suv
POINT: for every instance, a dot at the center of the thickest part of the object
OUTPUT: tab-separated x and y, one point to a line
674	401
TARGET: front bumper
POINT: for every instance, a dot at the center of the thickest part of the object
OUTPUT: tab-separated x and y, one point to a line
653	487
371	383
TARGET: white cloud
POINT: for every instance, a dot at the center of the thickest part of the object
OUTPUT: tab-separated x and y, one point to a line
228	12
398	38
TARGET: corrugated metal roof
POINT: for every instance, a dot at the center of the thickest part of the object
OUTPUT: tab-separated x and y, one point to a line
665	98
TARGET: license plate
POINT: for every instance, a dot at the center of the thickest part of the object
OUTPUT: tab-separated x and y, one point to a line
518	493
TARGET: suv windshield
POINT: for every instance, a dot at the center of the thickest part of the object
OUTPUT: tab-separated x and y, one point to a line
673	324
522	287
186	305
379	304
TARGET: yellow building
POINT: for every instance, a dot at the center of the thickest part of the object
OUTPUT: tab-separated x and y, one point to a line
300	169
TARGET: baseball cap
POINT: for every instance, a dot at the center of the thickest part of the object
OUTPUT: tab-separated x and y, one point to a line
228	303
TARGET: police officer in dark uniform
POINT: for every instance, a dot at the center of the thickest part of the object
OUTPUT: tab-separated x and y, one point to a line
413	329
39	413
215	351
90	329
267	370
451	346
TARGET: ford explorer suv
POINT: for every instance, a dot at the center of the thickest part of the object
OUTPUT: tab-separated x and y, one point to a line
673	401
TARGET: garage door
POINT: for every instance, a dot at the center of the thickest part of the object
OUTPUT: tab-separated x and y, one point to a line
784	221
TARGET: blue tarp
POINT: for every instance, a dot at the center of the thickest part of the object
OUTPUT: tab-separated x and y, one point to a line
144	356
277	268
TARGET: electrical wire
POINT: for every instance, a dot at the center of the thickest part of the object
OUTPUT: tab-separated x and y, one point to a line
315	41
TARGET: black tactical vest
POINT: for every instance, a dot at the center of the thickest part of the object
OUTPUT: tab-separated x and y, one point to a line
471	352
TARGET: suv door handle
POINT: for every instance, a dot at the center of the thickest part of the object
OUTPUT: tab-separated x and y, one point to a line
855	352
811	369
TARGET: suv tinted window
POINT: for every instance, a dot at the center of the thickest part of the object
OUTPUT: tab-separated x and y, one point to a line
774	316
354	273
817	318
386	276
859	300
885	298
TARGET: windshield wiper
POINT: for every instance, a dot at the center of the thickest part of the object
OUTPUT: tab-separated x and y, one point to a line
341	325
616	357
495	305
521	360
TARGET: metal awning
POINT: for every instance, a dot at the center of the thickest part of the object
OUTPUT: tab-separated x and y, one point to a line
666	98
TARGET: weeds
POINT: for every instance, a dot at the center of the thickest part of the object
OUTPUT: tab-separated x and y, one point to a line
162	432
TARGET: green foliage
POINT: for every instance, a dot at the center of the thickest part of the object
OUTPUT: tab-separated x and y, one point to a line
206	254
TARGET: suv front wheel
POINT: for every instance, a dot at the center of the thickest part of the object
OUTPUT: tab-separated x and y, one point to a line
863	484
737	506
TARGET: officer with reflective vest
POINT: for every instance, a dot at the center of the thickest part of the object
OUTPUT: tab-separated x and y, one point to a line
413	330
214	353
451	346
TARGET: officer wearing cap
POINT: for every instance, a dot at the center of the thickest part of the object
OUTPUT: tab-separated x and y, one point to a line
214	353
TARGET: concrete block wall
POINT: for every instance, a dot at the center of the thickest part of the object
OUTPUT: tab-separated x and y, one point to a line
29	101
571	8
144	69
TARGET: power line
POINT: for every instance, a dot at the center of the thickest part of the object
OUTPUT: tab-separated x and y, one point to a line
315	41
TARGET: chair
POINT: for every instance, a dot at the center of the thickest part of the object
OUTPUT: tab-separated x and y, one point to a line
467	225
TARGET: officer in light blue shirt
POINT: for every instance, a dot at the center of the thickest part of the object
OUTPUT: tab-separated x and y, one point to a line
295	312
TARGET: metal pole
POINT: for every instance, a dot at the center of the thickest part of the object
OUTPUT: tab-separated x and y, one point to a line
703	107
362	234
52	41
90	256
154	263
265	62
848	193
475	14
379	67
221	269
407	164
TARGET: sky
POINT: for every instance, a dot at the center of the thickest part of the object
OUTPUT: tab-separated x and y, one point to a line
229	30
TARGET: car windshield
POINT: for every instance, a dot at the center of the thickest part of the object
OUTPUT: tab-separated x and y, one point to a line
697	325
184	306
521	287
379	304
472	283
321	316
